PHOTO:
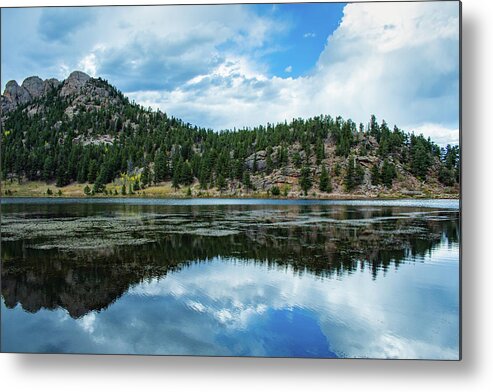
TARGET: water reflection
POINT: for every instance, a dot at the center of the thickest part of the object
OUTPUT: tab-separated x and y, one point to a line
316	280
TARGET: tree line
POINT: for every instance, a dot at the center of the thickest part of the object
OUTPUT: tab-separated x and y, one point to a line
97	146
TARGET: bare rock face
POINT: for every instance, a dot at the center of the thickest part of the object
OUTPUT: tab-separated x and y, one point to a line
50	84
34	86
74	83
258	159
13	96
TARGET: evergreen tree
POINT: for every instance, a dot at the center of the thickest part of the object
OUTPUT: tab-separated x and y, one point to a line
446	176
47	169
388	173
176	180
99	184
421	161
305	179
354	174
375	175
92	172
186	174
246	180
160	168
275	191
325	184
221	182
297	159
146	175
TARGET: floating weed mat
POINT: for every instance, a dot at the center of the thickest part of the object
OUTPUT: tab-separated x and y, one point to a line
141	228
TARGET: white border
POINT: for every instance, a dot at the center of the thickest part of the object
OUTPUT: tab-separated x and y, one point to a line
474	373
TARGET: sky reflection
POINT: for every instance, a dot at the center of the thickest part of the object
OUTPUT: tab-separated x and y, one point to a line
236	307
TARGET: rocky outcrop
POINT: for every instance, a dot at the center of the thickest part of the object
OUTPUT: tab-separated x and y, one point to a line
13	96
32	88
34	85
50	84
74	83
258	159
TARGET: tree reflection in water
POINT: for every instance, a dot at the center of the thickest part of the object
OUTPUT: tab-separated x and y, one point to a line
84	257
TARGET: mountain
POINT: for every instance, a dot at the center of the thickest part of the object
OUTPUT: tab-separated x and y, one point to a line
84	131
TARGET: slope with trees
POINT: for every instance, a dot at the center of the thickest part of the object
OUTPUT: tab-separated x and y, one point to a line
84	131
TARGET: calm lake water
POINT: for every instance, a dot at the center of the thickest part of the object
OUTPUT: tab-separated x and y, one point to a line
282	278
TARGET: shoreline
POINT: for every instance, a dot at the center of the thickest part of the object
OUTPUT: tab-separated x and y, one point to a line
166	191
226	197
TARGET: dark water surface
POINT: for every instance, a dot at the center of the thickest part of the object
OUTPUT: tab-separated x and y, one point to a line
375	279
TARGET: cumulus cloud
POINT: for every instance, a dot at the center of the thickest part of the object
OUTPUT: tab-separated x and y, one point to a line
210	64
238	307
135	48
396	60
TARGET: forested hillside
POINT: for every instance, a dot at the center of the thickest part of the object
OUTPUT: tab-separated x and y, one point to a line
85	131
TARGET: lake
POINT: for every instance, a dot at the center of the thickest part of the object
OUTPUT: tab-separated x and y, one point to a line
229	277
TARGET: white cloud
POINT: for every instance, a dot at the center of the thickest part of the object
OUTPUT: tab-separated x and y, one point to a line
398	61
236	295
309	35
204	64
87	322
88	64
288	69
438	133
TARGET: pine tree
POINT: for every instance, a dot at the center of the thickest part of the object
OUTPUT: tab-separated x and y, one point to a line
421	161
388	173
47	169
99	185
176	180
246	180
186	175
375	175
221	182
305	179
354	174
325	184
92	172
146	175
297	159
160	168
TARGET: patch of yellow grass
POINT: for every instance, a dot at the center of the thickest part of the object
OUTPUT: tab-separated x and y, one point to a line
166	190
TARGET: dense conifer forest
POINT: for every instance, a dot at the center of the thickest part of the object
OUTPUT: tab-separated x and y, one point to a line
92	134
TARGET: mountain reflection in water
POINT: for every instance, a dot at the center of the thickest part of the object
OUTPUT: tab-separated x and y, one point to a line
244	266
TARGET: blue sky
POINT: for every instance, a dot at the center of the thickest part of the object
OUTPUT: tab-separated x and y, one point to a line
242	65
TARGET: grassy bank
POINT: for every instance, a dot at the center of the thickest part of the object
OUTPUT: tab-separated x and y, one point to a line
166	190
